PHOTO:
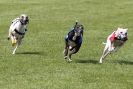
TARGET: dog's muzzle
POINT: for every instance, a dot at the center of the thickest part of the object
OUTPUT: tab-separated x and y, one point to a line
124	39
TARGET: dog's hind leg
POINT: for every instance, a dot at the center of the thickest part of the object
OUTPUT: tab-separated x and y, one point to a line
13	40
17	45
65	52
105	52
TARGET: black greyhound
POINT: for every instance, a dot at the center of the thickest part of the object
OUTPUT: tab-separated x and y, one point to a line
73	41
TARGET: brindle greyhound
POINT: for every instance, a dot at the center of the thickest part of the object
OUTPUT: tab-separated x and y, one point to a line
73	41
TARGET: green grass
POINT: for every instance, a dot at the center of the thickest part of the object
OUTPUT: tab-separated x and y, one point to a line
39	62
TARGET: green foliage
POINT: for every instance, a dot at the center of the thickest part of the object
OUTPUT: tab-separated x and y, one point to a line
39	62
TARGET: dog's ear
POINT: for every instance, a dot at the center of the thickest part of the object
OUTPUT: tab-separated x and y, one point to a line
76	22
118	28
127	29
117	32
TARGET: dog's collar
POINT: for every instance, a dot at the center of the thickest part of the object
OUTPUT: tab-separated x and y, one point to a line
19	32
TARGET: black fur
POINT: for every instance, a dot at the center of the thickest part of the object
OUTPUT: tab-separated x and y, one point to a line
69	40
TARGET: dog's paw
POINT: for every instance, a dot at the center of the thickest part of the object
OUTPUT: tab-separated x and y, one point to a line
13	53
100	62
65	57
69	60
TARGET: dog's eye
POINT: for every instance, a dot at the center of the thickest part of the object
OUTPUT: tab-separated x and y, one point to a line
121	32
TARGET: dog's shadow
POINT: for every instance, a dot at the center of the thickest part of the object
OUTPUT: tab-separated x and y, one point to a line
86	61
124	62
31	53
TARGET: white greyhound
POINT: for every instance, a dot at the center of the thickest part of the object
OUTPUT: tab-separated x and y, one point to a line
17	30
114	42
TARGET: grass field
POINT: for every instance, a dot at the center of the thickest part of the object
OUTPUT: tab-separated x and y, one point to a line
39	62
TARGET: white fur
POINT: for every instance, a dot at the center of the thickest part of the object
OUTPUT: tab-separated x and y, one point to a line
15	37
115	45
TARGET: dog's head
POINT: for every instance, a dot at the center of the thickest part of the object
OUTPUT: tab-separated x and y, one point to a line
78	28
121	34
24	19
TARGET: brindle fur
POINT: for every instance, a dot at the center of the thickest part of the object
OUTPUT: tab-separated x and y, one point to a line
71	47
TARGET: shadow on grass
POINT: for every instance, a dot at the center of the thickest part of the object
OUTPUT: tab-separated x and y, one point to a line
87	61
125	62
31	53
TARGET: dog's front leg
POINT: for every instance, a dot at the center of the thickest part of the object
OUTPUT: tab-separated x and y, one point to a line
116	48
73	51
65	52
75	36
14	51
104	52
9	34
13	40
18	42
70	54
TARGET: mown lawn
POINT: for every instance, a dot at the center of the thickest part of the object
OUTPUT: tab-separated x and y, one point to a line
39	62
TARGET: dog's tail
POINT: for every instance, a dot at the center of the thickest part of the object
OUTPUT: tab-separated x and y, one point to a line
104	43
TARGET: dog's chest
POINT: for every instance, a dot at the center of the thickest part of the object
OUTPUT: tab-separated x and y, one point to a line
21	28
118	43
71	43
